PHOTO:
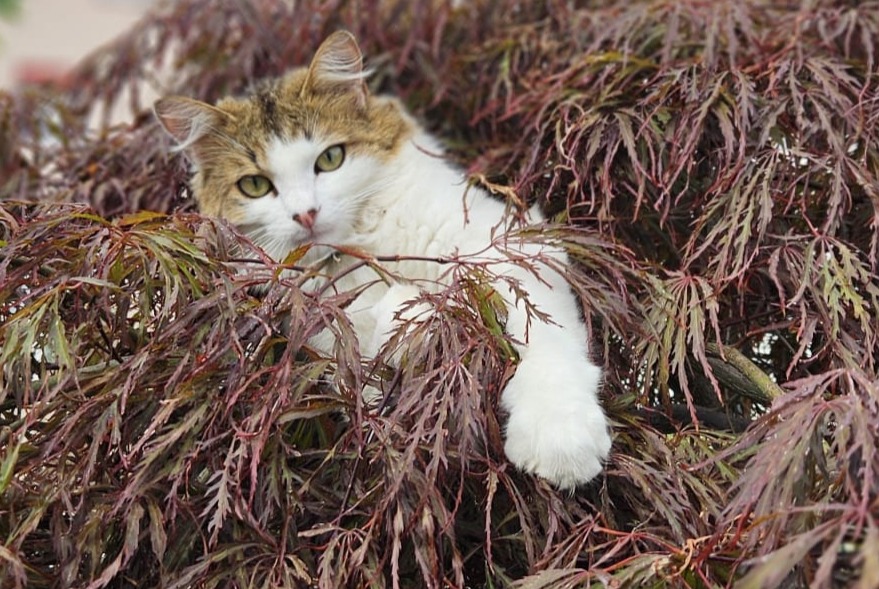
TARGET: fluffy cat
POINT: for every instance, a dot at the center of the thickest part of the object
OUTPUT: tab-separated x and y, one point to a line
314	158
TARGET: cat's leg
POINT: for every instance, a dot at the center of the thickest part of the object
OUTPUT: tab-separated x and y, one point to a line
376	315
392	310
556	428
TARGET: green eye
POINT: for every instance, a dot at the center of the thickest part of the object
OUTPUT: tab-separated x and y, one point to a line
255	186
330	159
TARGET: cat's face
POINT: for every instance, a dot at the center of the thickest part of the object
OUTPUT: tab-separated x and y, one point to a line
300	159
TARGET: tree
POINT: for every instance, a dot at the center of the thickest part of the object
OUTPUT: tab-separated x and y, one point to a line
716	167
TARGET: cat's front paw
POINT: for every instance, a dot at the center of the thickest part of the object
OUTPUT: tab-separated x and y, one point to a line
556	429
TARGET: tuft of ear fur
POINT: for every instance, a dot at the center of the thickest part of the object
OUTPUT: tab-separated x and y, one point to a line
338	65
187	120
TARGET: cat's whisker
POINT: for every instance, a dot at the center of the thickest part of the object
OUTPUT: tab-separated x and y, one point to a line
358	201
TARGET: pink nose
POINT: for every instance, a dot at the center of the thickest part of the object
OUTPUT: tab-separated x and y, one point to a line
306	219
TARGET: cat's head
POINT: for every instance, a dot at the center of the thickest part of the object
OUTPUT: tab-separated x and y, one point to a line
298	160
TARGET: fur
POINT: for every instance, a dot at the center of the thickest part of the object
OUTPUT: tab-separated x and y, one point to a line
394	195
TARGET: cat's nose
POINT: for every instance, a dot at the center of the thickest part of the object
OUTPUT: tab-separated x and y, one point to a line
306	219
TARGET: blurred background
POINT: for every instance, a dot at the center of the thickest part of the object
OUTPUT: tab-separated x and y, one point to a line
41	39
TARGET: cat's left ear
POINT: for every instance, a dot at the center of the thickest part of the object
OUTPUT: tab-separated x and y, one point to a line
338	65
187	120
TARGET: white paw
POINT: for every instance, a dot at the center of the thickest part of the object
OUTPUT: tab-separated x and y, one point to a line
556	429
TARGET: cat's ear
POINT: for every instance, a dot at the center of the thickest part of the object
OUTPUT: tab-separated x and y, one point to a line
187	120
338	65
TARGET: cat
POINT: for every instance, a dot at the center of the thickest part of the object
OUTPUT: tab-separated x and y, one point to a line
314	157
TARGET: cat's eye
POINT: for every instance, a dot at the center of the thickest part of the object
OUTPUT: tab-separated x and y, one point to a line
255	186
330	159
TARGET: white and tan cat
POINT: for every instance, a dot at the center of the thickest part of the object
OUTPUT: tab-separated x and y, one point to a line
314	158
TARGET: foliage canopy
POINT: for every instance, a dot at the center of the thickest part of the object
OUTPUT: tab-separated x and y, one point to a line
718	168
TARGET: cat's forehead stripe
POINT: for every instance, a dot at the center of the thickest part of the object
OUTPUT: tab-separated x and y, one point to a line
267	101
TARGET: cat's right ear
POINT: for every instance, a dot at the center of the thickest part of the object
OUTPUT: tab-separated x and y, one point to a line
338	65
187	120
